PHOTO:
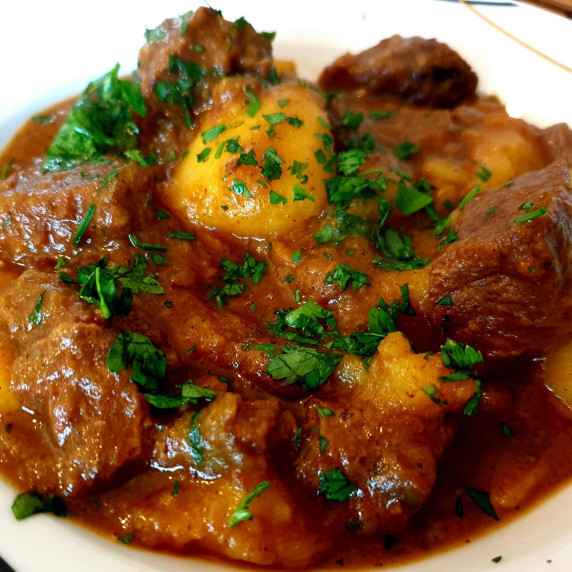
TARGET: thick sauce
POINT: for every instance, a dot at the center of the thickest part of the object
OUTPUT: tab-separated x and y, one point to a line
337	397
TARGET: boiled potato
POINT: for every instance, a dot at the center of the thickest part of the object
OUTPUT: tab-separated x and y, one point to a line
398	379
252	172
8	400
558	373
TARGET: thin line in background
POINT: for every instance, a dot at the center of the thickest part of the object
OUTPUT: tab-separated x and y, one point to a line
469	5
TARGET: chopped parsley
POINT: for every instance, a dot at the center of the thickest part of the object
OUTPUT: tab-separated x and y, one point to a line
242	511
84	224
271	168
483	173
155	35
297	256
406	150
126	538
36	316
482	500
6	169
179	92
335	486
343	275
398	252
212	133
190	393
145	245
351	120
203	156
325	412
253	102
195	438
148	363
410	199
247	158
297	169
99	285
239	187
531	215
307	322
301	194
276	199
307	367
490	211
181	235
380	114
250	268
99	122
462	358
382	320
470	195
28	504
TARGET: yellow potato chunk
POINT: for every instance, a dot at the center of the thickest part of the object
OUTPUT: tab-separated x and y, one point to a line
558	373
8	400
399	379
252	172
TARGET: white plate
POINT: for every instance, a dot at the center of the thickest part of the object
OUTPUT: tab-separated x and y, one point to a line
49	50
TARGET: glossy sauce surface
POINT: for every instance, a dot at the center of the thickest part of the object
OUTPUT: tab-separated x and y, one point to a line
172	479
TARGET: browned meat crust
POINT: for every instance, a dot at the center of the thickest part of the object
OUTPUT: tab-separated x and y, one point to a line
424	72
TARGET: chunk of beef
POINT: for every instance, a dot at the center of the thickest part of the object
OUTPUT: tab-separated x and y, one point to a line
210	48
509	282
41	214
419	71
556	141
232	432
386	439
94	421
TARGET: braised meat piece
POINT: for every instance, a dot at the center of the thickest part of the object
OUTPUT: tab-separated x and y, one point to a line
381	446
508	275
205	47
97	420
42	214
419	71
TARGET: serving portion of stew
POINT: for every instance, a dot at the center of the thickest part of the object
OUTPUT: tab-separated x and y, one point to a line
282	323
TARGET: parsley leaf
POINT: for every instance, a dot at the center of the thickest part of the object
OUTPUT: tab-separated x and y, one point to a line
351	120
190	393
530	216
461	358
100	121
335	486
305	366
180	91
306	320
409	199
482	500
239	187
250	268
148	363
344	274
397	251
406	150
84	224
382	320
28	504
272	162
242	511
36	316
195	438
